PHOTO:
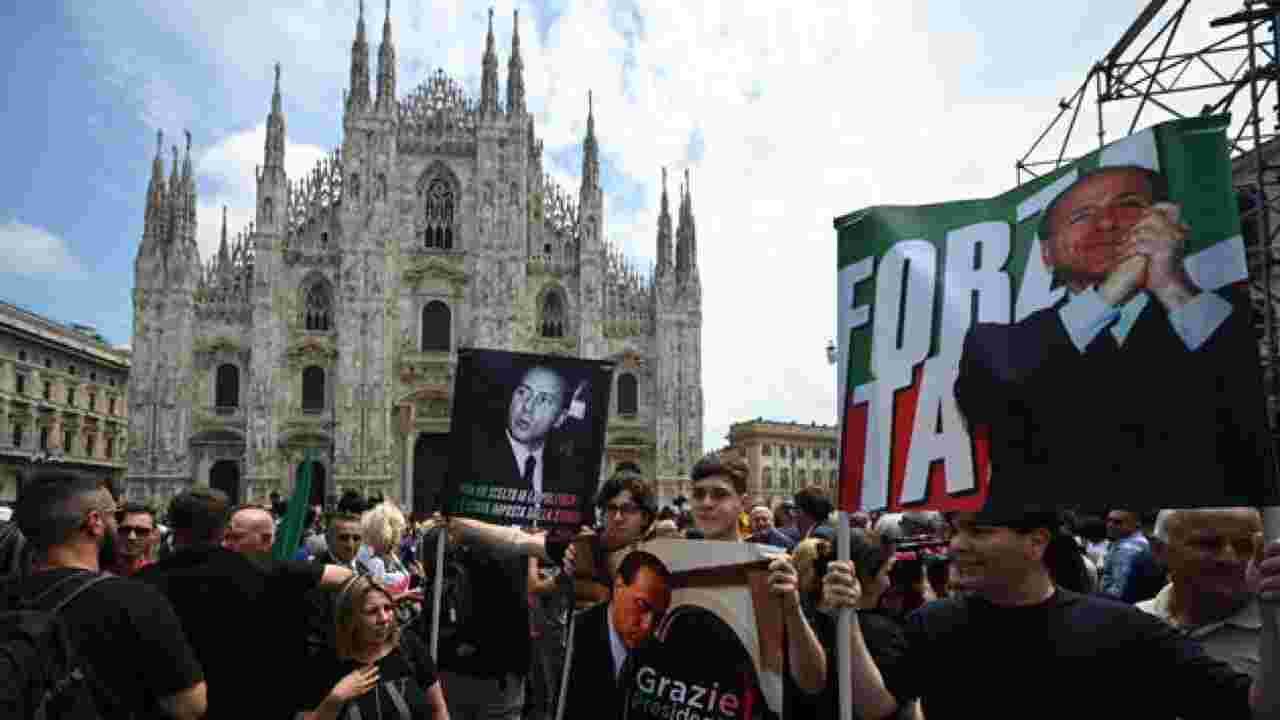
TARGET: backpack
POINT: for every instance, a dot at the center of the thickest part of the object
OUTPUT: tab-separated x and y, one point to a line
42	676
456	599
15	556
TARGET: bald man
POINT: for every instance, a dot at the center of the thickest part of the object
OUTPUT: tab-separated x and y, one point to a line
763	531
251	530
1207	552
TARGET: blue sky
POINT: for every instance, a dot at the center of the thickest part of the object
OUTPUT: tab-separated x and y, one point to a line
786	116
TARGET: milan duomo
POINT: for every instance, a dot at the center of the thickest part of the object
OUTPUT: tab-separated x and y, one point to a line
331	325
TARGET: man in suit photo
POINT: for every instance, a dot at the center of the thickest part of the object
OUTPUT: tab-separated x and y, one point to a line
525	452
1138	386
608	636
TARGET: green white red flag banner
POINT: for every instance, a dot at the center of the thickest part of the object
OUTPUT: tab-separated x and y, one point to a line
912	281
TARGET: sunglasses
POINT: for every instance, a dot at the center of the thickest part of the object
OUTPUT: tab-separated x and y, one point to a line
627	508
718	494
128	530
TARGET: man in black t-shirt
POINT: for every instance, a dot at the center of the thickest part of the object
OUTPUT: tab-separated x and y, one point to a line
1019	646
242	613
124	629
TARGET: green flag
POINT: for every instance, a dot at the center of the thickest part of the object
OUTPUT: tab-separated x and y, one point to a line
289	534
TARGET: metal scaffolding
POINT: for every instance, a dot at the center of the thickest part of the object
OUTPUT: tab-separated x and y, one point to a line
1171	63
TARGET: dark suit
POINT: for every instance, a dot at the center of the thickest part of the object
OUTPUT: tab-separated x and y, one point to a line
1147	424
493	462
593	688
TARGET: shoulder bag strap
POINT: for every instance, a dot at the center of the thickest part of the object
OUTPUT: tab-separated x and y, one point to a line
397	699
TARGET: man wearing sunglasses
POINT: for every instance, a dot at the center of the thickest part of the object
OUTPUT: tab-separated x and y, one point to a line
70	522
136	531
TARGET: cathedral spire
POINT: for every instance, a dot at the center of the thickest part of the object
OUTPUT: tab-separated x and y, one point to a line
684	233
386	66
515	72
224	255
274	151
489	80
664	229
189	194
590	153
359	97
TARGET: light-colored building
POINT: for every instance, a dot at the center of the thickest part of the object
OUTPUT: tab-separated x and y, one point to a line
785	457
63	400
332	324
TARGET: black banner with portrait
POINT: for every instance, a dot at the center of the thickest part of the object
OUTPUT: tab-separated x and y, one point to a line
528	438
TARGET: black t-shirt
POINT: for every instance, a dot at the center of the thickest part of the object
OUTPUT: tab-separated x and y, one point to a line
494	641
1071	656
130	635
245	619
407	669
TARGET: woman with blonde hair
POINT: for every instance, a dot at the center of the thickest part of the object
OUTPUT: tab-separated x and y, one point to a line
376	672
382	528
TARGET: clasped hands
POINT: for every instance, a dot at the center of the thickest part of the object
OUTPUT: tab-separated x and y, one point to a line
1151	259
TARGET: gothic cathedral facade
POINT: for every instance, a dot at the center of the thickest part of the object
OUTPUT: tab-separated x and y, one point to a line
330	327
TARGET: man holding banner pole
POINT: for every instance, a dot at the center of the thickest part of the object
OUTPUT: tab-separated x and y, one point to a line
1034	639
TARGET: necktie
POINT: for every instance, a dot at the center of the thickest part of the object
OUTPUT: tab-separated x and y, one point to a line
529	464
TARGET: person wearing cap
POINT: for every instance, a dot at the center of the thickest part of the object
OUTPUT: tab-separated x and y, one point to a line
1018	641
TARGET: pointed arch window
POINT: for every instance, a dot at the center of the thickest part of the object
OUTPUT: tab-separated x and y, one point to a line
553	322
435	327
227	390
317	307
268	210
440	205
627	392
313	389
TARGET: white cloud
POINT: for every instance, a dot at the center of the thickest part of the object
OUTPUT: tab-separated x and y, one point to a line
225	177
34	251
807	111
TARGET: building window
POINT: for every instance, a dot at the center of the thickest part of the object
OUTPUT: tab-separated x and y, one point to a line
110	449
832	453
71	369
17	435
71	396
553	315
22	356
227	387
67	438
93	377
112	382
324	239
766	450
627	400
786	479
435	326
817	454
93	401
44	438
438	234
318	307
832	480
768	478
48	390
111	406
48	363
800	477
20	384
313	389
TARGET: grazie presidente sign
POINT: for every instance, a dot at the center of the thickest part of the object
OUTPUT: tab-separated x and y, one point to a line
1112	343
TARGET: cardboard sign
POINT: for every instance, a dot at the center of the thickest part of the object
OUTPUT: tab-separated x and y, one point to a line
1000	352
528	438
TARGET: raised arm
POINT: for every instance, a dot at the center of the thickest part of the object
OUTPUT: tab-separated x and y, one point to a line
871	697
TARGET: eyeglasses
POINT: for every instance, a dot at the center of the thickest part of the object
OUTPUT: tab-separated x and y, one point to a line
718	494
127	530
626	508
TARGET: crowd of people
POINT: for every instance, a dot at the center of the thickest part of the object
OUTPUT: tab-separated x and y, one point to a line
1065	613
